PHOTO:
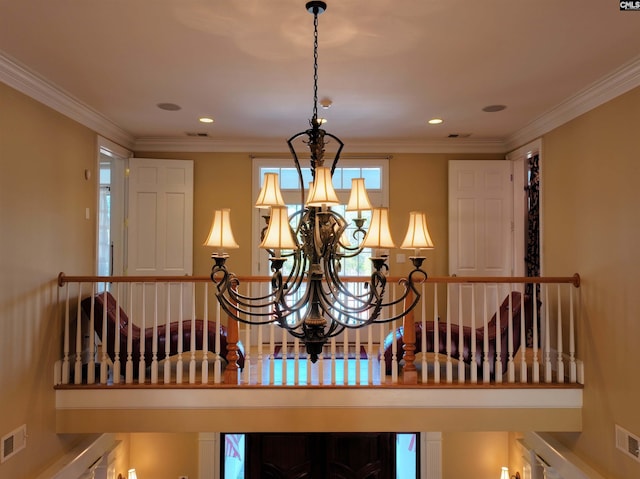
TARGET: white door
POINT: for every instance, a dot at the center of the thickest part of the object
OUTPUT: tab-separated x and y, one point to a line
160	226
160	223
480	226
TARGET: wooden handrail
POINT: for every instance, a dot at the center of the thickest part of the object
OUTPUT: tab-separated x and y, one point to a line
574	280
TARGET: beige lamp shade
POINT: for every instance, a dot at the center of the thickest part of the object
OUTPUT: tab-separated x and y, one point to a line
358	199
270	194
505	473
379	234
221	236
322	192
278	235
132	474
417	236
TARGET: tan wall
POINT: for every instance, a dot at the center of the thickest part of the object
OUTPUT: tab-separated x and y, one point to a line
591	201
43	196
480	455
164	456
417	182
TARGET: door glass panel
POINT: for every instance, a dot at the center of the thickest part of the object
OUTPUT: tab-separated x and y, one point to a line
234	455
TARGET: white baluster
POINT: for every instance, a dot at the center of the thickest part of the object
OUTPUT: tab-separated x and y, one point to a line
436	336
486	366
345	357
217	365
394	360
65	346
77	372
204	374
154	344
117	365
523	337
180	332
192	337
473	363
383	368
448	342
167	337
91	364
498	366
357	357
272	348
141	361
394	353
370	354
511	364
333	360
560	374
573	372
461	369
260	353
535	367
296	361
423	335
103	356
284	352
246	371
547	339
128	379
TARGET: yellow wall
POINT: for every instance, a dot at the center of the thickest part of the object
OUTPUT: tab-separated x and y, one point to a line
480	455
164	456
417	182
43	196
591	201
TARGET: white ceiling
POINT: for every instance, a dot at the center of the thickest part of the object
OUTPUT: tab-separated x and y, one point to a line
387	65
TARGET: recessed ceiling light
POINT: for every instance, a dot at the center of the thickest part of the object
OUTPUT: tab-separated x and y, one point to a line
169	106
436	121
326	103
205	119
494	108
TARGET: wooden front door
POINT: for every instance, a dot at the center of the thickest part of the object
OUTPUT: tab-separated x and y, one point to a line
320	456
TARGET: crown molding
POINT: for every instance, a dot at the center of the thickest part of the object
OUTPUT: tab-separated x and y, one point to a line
28	82
607	88
179	144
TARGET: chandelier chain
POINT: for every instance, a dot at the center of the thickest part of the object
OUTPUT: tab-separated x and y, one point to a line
315	66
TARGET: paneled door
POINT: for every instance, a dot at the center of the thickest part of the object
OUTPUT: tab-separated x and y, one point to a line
481	240
160	231
321	456
160	226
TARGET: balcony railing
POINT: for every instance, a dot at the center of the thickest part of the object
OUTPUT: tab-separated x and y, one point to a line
465	331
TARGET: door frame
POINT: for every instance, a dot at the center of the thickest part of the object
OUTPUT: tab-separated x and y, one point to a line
120	157
520	157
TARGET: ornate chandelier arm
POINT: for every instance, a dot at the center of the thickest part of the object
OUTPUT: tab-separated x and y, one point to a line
337	157
337	286
296	161
239	314
409	285
350	319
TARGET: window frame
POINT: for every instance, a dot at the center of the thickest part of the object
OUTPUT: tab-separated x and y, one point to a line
259	258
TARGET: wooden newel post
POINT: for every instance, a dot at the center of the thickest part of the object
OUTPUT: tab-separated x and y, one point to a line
230	375
409	371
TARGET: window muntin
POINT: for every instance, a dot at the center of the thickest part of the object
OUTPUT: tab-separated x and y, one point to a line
376	181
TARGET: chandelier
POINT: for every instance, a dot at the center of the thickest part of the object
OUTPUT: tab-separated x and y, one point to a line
309	298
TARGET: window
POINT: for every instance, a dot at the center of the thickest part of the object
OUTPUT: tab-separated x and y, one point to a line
111	166
374	171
